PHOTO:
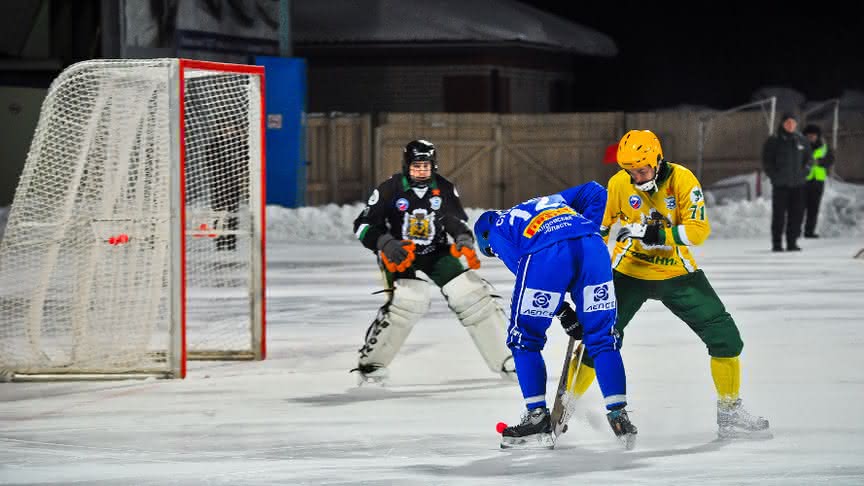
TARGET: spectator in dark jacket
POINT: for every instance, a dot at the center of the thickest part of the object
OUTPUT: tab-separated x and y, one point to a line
784	158
821	161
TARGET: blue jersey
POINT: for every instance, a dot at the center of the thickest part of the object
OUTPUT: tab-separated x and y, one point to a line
542	221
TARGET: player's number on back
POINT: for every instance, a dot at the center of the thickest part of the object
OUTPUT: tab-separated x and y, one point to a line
518	213
542	203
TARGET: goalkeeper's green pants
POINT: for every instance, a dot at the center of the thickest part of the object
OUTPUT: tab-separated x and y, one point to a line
440	266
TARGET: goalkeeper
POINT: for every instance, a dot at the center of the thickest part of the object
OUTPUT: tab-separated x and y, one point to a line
661	210
406	222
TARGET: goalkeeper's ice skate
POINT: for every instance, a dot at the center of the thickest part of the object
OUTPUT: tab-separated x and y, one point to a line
535	431
371	375
733	421
622	427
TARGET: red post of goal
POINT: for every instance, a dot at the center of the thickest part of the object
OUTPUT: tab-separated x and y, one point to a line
222	140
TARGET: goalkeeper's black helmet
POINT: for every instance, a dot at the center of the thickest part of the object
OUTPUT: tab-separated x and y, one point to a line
418	150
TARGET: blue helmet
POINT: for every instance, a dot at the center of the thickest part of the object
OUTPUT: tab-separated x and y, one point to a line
482	228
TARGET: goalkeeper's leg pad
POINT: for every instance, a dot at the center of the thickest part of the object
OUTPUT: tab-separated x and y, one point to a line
471	298
409	301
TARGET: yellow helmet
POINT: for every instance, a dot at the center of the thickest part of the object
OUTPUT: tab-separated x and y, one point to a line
639	148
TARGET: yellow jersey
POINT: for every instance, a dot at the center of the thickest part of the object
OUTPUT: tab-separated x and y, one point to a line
678	204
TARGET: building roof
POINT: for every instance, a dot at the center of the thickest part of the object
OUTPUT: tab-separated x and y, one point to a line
442	21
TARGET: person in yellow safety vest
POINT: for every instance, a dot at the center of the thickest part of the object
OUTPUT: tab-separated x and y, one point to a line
820	163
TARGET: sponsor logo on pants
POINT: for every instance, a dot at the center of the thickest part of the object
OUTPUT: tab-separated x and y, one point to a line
599	297
539	303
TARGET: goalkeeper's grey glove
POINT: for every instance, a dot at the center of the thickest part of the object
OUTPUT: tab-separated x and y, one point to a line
464	240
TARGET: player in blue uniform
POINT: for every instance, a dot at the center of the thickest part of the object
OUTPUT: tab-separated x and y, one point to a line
552	244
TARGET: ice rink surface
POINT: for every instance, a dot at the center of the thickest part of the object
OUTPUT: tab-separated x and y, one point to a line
297	418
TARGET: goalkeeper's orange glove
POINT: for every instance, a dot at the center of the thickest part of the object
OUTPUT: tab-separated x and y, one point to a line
464	246
397	255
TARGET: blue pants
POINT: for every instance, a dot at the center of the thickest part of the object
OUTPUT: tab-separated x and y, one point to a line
581	267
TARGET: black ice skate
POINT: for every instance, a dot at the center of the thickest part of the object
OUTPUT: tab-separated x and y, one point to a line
734	421
370	374
623	428
535	431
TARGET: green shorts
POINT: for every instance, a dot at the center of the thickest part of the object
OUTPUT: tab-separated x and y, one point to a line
691	298
440	266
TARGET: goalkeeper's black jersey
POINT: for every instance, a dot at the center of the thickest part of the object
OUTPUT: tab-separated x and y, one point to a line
425	216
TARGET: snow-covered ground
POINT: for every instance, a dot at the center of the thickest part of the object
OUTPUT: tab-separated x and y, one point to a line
297	417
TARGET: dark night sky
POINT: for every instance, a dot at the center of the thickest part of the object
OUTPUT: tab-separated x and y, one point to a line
717	54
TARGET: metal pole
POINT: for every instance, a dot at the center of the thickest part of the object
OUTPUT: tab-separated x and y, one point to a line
498	164
285	28
771	117
700	150
331	163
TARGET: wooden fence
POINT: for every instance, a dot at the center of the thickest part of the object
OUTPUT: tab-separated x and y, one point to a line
500	160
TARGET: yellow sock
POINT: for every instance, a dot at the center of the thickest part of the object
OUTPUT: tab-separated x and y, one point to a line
727	377
578	385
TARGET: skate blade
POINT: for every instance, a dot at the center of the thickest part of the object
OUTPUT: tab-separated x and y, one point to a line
628	440
536	441
372	380
733	433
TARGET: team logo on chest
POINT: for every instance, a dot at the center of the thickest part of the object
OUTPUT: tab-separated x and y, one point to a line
670	202
419	226
435	203
402	204
635	201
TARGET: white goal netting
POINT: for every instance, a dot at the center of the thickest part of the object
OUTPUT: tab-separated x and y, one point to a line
96	275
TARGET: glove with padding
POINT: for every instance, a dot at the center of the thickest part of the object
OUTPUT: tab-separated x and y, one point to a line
397	255
463	241
463	245
569	322
648	233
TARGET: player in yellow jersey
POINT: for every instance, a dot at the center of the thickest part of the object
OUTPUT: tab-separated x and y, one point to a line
661	210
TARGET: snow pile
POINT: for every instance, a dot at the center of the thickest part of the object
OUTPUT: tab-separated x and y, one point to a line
733	216
730	213
842	213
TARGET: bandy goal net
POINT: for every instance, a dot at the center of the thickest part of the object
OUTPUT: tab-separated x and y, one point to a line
135	240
